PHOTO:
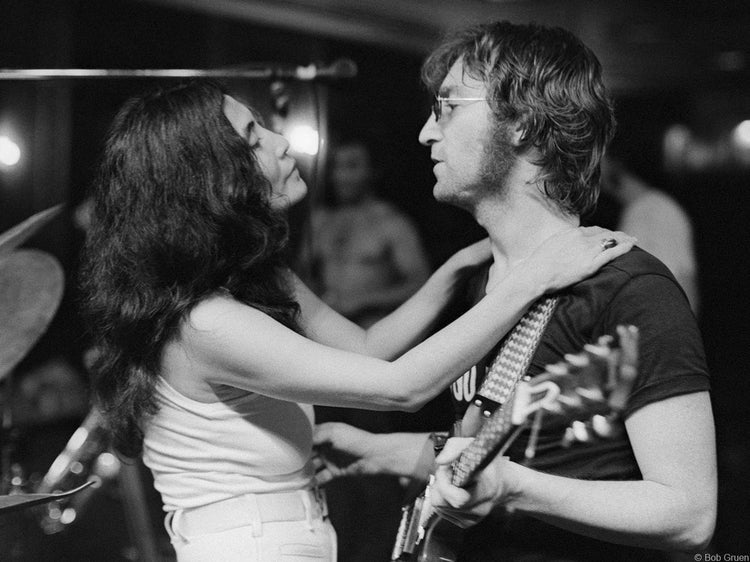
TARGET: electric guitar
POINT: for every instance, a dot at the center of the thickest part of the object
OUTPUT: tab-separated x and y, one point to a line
585	394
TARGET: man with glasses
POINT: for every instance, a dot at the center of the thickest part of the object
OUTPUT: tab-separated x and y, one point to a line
519	124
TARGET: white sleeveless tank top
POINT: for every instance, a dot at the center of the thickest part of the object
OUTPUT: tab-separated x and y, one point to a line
202	453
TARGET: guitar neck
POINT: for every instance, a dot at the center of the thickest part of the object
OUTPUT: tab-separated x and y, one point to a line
495	436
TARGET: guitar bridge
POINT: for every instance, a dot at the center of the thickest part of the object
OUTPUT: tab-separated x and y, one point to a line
409	535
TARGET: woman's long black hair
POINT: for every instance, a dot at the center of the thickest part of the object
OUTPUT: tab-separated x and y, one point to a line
181	211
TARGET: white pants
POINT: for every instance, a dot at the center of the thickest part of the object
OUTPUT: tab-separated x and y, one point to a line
280	527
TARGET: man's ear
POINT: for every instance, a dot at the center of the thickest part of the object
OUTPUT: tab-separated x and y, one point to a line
518	134
520	129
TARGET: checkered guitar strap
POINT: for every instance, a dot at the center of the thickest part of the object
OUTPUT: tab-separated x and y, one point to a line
509	365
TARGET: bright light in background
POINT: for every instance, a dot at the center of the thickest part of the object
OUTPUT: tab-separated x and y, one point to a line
10	153
741	142
741	134
304	139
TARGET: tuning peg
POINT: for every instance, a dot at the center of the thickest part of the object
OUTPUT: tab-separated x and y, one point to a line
598	350
602	426
560	368
592	394
572	402
576	432
577	359
580	431
606	340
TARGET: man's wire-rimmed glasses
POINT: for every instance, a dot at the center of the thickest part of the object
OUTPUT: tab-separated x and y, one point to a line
437	104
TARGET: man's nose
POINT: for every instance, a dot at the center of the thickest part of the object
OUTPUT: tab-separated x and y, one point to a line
430	131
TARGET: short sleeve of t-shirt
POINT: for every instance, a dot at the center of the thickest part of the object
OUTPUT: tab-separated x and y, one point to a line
670	355
635	289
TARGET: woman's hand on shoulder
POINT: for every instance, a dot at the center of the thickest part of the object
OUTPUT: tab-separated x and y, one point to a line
571	256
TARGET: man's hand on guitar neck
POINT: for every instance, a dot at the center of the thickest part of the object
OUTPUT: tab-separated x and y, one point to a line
465	507
344	450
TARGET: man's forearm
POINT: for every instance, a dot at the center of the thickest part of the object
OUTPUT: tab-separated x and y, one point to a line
405	454
639	513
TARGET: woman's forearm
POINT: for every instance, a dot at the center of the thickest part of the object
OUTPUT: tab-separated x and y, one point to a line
415	319
404	327
432	365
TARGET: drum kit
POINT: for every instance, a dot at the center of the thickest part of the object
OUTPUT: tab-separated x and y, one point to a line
31	289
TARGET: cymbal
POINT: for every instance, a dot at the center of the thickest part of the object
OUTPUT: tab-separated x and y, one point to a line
17	235
16	502
31	288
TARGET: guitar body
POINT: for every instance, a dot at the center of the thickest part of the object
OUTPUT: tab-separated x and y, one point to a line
441	543
432	539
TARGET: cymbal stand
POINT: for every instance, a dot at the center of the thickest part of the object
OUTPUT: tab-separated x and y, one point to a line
10	481
11	476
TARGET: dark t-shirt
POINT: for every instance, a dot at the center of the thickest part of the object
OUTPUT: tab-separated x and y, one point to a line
634	289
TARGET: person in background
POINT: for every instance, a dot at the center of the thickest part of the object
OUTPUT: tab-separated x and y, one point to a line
520	121
661	225
367	259
210	351
367	254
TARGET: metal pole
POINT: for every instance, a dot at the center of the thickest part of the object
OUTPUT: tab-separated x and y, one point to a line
49	73
340	68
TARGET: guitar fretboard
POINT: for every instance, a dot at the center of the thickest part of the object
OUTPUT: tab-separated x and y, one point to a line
495	432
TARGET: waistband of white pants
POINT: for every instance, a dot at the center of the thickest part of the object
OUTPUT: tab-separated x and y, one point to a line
250	509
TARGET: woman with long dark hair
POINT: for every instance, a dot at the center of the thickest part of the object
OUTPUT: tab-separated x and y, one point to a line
210	349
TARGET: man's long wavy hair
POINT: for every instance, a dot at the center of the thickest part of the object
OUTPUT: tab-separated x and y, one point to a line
181	211
548	82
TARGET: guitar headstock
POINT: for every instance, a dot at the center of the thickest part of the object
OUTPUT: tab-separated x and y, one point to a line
583	394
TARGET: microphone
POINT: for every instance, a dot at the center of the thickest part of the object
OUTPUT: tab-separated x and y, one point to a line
340	68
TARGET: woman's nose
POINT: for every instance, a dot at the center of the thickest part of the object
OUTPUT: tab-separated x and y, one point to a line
282	145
